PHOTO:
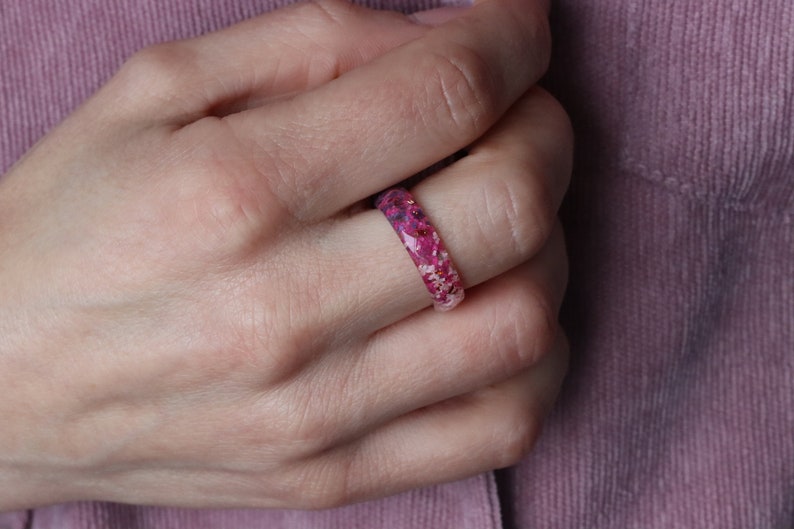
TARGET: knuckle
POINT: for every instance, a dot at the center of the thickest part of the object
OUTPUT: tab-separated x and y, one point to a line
530	327
540	40
519	215
254	341
223	204
463	89
560	136
225	218
300	436
297	427
518	435
560	117
555	118
319	484
158	69
530	37
312	424
541	209
540	317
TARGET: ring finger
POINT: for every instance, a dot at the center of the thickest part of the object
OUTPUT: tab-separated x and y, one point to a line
494	209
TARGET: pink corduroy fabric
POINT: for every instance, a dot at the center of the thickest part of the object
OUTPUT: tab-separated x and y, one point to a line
679	409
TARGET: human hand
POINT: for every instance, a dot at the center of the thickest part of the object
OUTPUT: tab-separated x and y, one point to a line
197	308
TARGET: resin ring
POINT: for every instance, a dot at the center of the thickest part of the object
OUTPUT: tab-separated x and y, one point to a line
424	246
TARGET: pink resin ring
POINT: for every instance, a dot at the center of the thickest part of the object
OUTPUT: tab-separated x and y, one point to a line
424	246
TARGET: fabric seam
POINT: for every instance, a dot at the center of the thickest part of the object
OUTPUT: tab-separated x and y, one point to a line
679	187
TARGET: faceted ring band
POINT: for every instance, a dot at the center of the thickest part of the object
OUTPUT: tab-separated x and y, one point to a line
424	246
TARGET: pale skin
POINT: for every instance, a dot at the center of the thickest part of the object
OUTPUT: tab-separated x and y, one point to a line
199	309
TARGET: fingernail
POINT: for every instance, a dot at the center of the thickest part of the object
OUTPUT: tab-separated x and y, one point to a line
436	17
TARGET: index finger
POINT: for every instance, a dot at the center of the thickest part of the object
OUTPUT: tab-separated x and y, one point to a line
382	122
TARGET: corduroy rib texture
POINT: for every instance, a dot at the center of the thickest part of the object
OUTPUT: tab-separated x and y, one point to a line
679	409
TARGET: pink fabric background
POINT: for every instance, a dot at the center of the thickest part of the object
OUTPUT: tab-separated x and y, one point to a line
679	409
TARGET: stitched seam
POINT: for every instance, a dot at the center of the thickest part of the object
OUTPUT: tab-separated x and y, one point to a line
686	189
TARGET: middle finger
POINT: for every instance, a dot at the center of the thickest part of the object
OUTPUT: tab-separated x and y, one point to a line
493	209
382	122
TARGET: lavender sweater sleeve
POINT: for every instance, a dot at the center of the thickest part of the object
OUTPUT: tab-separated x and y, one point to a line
679	409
